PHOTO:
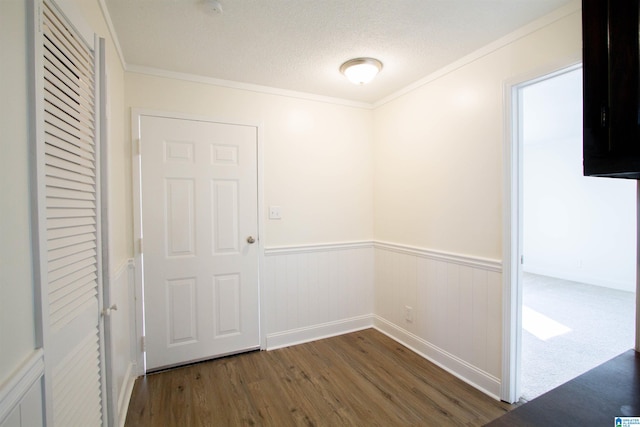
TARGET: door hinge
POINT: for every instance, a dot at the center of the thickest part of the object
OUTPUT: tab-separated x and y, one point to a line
140	245
522	259
143	344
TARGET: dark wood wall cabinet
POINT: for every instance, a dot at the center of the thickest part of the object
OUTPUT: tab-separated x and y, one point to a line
611	112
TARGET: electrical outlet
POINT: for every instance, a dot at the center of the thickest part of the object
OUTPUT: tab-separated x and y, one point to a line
408	313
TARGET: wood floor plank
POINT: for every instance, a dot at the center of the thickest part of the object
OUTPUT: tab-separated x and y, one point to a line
455	396
362	378
357	398
371	364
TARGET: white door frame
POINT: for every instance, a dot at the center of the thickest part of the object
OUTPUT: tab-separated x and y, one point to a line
512	226
136	115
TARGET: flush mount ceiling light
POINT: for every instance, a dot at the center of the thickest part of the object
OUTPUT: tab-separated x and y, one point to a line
361	70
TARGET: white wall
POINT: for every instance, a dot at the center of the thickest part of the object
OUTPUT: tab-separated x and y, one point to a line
17	325
420	176
575	227
427	165
318	158
21	365
445	307
317	166
438	163
439	191
317	291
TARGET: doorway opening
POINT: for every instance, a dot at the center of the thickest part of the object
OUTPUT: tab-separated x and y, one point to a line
576	251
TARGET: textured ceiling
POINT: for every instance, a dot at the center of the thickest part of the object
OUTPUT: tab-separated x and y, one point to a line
299	44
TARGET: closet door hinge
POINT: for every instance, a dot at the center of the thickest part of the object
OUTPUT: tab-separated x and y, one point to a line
143	344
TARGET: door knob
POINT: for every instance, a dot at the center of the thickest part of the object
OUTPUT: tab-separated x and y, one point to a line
251	240
107	311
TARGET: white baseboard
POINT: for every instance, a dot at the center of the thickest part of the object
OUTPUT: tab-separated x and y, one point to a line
477	378
317	332
124	396
574	276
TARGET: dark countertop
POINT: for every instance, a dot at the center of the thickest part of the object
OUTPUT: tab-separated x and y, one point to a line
594	398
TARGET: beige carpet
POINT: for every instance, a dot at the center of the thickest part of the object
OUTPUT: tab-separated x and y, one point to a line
569	328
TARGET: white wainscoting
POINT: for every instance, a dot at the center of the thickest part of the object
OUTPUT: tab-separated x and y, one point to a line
455	302
455	309
21	395
123	356
317	291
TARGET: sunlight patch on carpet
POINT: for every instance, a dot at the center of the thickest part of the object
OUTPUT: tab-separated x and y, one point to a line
541	326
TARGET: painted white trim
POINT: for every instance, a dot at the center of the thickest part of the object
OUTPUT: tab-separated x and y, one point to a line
102	235
124	396
532	27
14	389
123	275
136	114
262	305
112	32
38	199
466	260
468	373
139	69
540	23
511	249
137	235
318	332
320	247
512	222
588	279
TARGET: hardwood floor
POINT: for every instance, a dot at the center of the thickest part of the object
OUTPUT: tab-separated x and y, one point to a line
362	378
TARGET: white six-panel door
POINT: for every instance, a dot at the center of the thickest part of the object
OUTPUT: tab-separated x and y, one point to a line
200	232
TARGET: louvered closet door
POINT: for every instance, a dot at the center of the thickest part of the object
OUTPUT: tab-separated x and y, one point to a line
72	345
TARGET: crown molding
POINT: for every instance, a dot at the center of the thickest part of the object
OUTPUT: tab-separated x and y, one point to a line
538	24
112	32
569	9
139	69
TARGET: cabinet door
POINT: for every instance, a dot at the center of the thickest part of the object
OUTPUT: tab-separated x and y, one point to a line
610	76
623	78
595	77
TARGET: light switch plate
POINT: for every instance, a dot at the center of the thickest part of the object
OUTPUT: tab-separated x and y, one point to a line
275	212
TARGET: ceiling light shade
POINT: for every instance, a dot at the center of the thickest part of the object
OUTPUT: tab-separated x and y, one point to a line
361	70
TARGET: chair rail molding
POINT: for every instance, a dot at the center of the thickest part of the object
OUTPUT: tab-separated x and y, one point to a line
14	389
